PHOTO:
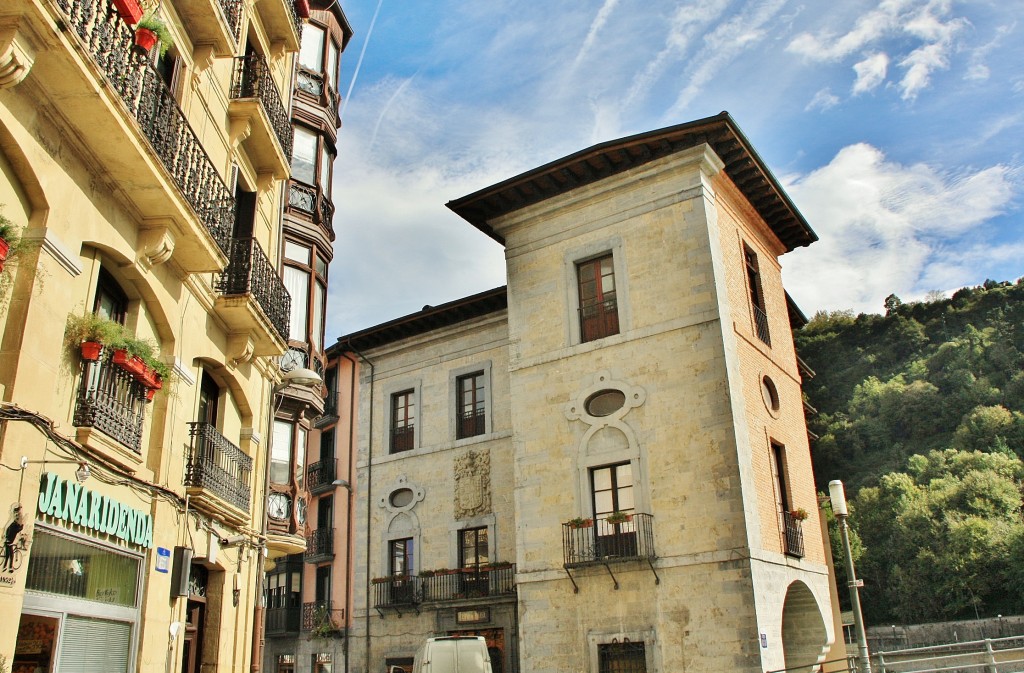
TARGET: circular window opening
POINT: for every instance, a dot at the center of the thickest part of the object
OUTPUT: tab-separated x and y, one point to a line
401	497
770	393
605	402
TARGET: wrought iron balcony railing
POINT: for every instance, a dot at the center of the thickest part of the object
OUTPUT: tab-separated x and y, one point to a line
602	542
111	400
218	466
321	475
250	272
471	423
761	325
398	591
599	319
794	535
320	545
403	438
108	40
252	79
322	615
482	582
313	203
233	13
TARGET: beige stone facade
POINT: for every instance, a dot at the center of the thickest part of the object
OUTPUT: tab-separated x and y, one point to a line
147	189
679	406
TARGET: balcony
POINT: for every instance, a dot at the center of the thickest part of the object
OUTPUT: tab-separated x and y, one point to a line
254	299
471	423
214	22
258	115
793	535
313	204
319	545
599	319
112	401
396	593
218	473
281	22
603	542
283	621
320	475
121	110
466	583
321	617
403	438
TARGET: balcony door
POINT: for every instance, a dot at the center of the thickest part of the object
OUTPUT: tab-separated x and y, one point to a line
473	556
612	493
209	395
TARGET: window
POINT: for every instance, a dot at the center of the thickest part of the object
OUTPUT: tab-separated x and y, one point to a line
311	52
401	557
778	459
756	295
111	302
304	266
325	512
281	453
612	491
323	583
473	548
599	313
304	155
403	421
209	397
471	420
624	657
284	587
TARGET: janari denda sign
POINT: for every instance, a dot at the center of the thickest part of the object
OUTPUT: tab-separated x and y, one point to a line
73	503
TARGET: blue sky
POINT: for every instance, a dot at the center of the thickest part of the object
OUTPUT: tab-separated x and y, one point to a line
895	126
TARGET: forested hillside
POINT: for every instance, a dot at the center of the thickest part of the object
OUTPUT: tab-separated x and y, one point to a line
920	412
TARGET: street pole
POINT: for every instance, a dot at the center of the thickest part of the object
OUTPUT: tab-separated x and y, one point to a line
838	497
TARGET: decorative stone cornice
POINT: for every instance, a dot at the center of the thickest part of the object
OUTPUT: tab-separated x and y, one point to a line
17	54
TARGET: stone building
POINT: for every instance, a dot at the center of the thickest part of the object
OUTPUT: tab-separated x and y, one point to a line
147	183
605	465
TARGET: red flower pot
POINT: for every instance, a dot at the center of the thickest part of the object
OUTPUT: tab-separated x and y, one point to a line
130	363
4	248
145	40
129	10
302	8
149	394
91	350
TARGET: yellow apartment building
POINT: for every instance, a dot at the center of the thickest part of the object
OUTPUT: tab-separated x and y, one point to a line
147	185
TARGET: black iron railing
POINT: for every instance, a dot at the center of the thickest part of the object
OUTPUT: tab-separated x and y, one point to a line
111	400
471	423
396	591
283	620
331	404
250	272
599	541
321	474
794	534
320	545
403	438
252	79
761	325
452	585
309	82
233	13
321	614
108	40
293	14
313	203
599	319
218	466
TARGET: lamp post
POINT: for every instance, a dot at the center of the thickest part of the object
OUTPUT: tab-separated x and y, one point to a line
838	498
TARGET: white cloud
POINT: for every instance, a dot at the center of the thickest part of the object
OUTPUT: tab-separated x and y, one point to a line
885	228
870	72
823	100
595	28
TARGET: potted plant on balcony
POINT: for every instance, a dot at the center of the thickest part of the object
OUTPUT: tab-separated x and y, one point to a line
618	517
130	11
799	514
323	624
580	522
151	30
90	333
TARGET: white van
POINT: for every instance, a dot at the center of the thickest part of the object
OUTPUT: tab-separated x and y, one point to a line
453	654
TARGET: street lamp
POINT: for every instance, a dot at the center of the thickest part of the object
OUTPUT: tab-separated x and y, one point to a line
838	498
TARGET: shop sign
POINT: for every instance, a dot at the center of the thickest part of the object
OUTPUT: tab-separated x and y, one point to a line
70	502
